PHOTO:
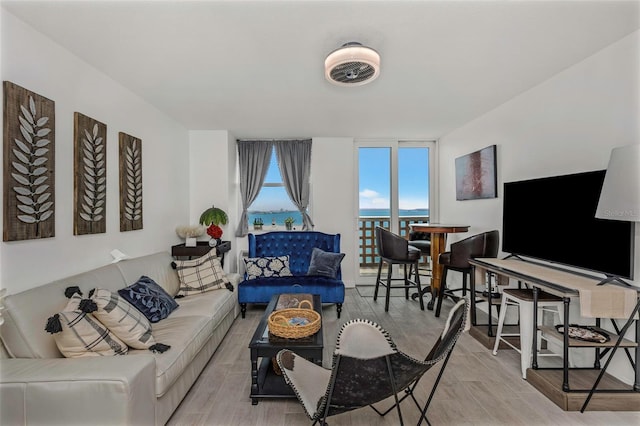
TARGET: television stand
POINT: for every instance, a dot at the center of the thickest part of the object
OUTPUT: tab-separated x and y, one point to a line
566	285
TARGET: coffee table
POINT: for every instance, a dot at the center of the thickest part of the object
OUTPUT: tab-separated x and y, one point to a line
265	383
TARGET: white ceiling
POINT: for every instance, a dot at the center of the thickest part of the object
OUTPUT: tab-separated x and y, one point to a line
255	68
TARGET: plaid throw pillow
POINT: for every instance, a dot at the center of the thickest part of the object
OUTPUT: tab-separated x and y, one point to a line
78	334
122	318
258	267
201	275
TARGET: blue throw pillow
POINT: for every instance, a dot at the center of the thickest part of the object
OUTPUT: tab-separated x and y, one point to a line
324	263
149	298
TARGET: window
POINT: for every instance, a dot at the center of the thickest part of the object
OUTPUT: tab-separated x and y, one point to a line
394	180
273	204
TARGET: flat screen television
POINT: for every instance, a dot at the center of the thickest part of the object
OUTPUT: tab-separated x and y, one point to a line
553	219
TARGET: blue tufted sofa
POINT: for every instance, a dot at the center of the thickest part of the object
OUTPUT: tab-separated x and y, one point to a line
298	245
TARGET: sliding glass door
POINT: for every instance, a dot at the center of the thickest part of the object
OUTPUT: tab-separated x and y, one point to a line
394	187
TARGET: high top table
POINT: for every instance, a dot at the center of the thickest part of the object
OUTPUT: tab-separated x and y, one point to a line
439	234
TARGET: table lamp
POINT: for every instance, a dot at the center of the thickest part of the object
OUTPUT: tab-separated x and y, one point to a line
620	196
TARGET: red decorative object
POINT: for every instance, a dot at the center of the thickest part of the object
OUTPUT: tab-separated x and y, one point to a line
214	231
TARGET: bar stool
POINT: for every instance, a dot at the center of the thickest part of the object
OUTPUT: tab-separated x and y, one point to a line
395	250
421	241
523	299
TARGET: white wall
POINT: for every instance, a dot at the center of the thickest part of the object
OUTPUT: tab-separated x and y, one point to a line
37	63
334	197
212	181
565	125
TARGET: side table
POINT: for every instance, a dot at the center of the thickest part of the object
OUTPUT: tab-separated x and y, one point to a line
201	248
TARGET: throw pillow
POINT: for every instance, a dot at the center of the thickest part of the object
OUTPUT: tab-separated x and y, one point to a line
78	334
324	263
258	267
121	318
149	298
200	275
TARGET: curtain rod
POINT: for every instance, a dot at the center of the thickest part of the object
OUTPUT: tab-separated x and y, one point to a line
273	140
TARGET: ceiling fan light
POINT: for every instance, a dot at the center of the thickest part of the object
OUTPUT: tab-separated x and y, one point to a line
352	65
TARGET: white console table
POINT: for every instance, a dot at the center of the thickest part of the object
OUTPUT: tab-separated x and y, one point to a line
566	285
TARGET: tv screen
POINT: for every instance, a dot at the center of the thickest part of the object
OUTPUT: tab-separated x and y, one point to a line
553	219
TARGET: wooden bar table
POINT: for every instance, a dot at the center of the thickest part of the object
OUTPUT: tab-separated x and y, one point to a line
439	234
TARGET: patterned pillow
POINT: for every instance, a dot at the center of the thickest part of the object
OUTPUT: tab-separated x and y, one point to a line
324	263
121	318
78	334
200	275
149	298
258	267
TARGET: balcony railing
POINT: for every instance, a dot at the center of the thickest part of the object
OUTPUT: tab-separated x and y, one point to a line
367	226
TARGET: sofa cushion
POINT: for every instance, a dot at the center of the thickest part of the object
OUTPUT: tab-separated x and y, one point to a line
157	266
78	334
268	266
260	290
187	335
324	263
149	298
200	275
122	318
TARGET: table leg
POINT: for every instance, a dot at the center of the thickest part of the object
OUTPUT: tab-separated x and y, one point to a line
565	349
534	344
254	376
438	245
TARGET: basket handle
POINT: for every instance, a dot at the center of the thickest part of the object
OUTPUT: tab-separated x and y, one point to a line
303	302
280	318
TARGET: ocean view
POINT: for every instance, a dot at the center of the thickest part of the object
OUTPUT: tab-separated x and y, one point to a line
278	217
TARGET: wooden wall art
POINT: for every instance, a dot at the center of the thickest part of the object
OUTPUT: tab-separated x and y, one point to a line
130	182
29	165
90	175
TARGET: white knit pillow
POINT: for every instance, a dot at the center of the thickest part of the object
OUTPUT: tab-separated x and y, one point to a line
78	334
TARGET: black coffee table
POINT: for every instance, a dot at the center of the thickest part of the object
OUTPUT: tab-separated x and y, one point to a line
265	383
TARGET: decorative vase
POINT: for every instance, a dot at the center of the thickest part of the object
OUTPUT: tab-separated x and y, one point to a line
213	242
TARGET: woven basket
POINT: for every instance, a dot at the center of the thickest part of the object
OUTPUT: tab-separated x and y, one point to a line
279	322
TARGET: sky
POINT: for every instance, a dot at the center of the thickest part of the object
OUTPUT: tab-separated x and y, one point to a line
374	186
413	178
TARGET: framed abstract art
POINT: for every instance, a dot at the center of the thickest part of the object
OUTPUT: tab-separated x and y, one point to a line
476	175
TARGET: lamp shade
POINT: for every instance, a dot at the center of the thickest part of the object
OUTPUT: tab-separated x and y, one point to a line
620	196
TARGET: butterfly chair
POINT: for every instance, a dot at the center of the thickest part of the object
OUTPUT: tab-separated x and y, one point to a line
367	368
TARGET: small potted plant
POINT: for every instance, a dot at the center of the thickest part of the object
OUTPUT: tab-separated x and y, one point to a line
213	217
288	223
257	223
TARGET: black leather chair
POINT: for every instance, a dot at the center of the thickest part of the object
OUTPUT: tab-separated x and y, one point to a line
422	241
457	259
395	250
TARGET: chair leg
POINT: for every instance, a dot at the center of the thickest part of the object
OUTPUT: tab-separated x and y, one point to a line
386	302
464	284
423	413
375	293
503	314
417	281
406	281
443	287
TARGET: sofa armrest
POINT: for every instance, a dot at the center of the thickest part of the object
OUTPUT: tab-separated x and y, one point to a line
95	390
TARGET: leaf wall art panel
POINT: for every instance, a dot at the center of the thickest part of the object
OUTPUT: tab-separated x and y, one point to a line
90	175
29	165
130	182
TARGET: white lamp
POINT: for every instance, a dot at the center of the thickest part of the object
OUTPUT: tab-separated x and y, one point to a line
620	196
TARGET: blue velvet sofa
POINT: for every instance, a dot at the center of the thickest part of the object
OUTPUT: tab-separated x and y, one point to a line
298	245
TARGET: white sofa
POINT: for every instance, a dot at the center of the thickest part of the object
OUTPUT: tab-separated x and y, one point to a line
39	386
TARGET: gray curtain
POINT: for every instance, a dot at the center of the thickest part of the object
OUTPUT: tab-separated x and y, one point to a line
254	158
294	161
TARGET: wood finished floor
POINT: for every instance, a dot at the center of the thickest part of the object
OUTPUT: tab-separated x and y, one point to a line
477	388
